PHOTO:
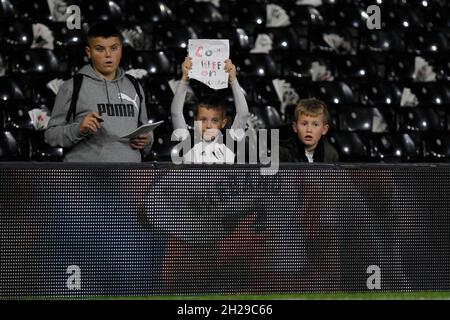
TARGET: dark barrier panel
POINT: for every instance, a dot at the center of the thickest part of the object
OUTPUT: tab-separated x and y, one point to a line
77	230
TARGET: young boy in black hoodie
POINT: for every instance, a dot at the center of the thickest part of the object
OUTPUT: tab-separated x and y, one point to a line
311	125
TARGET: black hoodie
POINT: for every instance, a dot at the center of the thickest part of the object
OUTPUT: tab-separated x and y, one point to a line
294	151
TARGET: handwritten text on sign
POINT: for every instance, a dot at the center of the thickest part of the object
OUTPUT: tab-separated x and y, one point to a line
208	56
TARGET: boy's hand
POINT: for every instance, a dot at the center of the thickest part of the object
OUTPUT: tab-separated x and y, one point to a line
140	142
90	123
185	67
230	68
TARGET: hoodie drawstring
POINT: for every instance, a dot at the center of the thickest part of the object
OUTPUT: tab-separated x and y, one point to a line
107	94
118	90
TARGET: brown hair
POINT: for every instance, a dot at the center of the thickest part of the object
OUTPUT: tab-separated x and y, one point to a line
215	102
312	107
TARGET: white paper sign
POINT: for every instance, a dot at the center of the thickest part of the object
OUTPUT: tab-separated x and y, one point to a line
145	128
208	60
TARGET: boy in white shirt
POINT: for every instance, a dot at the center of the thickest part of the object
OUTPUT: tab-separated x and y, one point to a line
211	118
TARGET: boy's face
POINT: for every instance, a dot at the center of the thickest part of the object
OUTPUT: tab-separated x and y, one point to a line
212	120
105	54
310	129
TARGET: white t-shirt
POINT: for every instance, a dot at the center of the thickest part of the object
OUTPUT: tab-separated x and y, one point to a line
209	152
309	155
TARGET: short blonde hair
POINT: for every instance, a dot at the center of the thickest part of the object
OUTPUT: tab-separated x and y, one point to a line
312	107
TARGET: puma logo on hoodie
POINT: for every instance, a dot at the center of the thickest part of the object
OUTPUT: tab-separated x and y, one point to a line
125	97
116	109
119	109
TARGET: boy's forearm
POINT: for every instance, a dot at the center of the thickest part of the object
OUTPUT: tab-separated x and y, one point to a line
176	108
242	113
63	135
239	99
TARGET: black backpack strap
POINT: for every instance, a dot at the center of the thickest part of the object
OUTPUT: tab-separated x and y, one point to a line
137	87
77	81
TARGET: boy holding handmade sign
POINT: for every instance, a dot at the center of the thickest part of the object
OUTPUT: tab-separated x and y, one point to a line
210	115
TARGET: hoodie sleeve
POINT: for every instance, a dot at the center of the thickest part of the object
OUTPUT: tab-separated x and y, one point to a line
176	111
59	133
240	121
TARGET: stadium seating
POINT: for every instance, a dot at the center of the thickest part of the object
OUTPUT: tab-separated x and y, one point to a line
369	72
397	147
351	146
437	146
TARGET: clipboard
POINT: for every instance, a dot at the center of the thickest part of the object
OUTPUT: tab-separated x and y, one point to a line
145	128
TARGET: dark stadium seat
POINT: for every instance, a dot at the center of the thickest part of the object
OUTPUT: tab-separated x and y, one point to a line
401	18
14	145
39	61
34	10
159	90
263	91
239	39
162	147
418	119
4	65
8	146
332	92
437	146
18	34
351	146
424	41
65	37
397	147
431	94
343	16
73	59
421	4
10	90
400	67
160	111
442	68
355	118
153	11
382	41
173	37
318	43
288	38
436	17
199	12
248	13
380	93
356	67
102	10
256	64
41	151
269	115
156	63
7	10
333	111
304	15
17	117
298	65
38	92
365	3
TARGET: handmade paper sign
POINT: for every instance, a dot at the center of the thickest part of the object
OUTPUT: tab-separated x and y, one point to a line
208	56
